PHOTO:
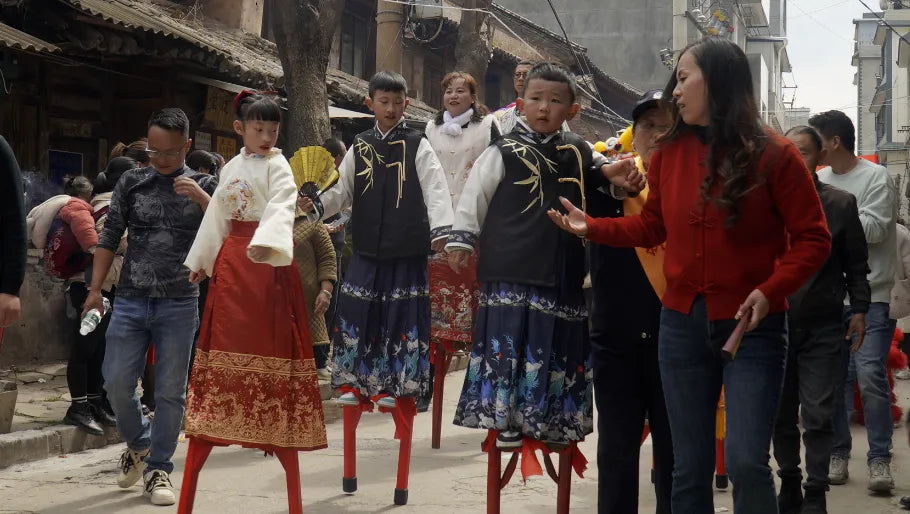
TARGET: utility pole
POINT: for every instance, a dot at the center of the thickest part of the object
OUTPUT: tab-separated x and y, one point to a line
680	26
389	21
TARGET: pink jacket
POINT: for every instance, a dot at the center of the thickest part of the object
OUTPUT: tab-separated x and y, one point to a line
77	213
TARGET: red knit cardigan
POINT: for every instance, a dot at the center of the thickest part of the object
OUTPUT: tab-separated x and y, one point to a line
707	257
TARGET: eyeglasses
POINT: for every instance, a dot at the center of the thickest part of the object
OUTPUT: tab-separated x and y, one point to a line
170	154
521	74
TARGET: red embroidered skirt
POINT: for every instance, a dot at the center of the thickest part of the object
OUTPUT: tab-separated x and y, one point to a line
254	378
453	300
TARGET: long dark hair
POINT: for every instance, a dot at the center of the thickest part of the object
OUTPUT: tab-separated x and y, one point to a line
735	135
480	110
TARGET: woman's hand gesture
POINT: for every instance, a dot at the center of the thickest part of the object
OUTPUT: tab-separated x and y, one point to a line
574	222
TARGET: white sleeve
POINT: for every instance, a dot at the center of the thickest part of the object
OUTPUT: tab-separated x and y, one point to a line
435	191
876	209
276	226
216	225
488	172
339	197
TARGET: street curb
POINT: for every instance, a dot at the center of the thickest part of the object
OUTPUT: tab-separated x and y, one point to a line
58	440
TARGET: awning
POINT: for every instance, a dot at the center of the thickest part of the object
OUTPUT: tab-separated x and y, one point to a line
18	40
334	112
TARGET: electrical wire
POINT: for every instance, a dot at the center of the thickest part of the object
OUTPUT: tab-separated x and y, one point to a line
885	22
587	71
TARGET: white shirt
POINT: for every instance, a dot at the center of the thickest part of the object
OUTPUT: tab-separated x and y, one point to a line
251	188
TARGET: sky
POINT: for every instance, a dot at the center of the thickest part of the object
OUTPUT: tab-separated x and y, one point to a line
820	47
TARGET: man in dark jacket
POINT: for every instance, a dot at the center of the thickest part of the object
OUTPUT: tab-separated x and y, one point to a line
12	236
625	316
816	345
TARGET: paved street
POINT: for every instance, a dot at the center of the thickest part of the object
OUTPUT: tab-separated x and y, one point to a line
449	480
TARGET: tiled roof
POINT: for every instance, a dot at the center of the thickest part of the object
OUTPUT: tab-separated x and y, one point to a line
18	40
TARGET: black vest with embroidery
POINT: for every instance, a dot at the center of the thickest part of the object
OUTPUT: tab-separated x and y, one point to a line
388	215
518	241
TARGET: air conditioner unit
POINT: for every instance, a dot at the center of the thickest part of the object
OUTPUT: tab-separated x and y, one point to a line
425	9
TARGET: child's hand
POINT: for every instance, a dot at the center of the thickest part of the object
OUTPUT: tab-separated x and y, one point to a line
258	254
573	222
322	303
459	259
197	276
439	245
305	204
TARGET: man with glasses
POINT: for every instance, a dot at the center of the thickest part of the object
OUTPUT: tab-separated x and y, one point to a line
508	115
162	206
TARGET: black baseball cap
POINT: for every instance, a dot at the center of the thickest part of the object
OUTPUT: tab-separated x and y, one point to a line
647	101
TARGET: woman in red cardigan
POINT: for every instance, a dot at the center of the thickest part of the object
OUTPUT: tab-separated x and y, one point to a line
744	229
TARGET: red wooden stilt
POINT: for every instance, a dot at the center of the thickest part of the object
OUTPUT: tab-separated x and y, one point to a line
564	487
720	479
403	414
196	454
494	478
443	360
288	459
351	420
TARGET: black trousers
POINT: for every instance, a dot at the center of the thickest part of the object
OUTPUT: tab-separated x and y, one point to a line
83	371
814	367
627	389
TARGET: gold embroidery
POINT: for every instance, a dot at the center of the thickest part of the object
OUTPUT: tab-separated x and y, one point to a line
527	153
401	167
368	154
255	400
581	175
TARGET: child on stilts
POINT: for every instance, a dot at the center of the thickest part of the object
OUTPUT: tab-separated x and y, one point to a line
254	377
529	376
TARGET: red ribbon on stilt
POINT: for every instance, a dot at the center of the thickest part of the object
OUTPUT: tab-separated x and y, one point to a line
530	465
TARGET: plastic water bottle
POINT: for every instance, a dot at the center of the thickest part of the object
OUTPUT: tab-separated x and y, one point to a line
92	318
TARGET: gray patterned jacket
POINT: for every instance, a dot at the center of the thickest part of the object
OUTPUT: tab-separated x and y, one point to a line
162	226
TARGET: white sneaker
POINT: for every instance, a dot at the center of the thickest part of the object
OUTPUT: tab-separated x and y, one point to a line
880	479
348	400
902	374
837	470
324	374
158	488
387	402
132	464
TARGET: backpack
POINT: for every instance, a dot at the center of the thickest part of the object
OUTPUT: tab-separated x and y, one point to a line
63	257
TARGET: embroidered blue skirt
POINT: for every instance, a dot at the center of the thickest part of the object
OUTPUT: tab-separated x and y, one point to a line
530	369
382	327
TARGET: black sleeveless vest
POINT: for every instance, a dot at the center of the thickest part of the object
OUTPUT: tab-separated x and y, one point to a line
388	215
518	241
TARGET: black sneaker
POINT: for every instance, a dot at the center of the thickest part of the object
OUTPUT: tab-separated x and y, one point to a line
790	497
103	412
80	414
814	502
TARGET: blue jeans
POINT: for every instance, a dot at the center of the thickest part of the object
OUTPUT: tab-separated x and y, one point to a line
136	322
693	372
868	365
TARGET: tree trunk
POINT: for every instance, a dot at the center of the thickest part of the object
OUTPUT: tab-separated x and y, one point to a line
472	51
304	30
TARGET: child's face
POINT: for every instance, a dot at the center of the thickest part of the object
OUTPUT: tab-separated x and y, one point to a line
258	136
546	105
457	97
389	108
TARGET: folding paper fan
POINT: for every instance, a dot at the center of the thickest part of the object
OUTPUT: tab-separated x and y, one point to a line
314	164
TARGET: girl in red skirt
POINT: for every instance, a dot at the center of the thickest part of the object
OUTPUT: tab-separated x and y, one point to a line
254	377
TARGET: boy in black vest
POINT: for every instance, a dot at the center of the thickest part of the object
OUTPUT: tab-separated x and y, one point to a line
529	376
401	208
